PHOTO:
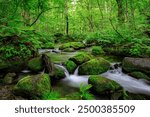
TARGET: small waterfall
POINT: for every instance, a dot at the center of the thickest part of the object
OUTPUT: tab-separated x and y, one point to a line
127	82
65	70
73	80
76	71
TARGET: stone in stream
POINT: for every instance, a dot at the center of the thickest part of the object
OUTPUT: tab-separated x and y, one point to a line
33	87
70	66
94	67
80	58
35	64
136	64
102	85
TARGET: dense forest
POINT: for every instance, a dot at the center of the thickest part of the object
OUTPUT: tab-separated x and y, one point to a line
74	49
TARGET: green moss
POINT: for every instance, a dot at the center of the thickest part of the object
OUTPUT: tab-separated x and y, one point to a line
97	50
94	67
11	66
70	65
139	75
102	85
74	45
80	58
58	74
33	86
35	64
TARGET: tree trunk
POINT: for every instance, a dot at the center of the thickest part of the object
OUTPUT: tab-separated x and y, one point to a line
66	17
121	11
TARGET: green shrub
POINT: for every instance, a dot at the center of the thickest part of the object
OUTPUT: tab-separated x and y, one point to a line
53	95
136	50
84	92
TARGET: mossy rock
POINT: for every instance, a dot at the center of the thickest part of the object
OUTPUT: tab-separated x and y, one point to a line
94	67
102	85
139	75
35	64
58	74
74	45
80	58
8	79
97	50
12	66
136	64
33	87
70	66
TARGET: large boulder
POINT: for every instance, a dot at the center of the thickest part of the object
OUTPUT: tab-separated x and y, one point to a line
58	74
70	66
102	85
33	87
74	45
136	64
35	64
80	58
94	67
11	66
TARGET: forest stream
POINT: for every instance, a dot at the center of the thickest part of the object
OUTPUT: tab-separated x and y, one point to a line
130	84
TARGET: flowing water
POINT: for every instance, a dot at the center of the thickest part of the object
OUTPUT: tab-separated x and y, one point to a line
73	80
127	82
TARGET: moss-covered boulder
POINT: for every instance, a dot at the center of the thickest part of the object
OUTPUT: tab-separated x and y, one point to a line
74	45
11	66
8	79
94	67
70	66
80	58
58	74
97	50
136	64
33	87
139	75
35	64
102	85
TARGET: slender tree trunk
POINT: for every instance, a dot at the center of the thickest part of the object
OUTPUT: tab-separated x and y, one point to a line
132	19
66	17
121	11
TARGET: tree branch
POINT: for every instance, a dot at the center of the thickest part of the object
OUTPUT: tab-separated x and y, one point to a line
115	28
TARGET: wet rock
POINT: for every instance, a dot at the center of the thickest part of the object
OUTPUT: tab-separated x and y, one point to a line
102	85
94	67
80	58
70	66
136	64
35	64
33	87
